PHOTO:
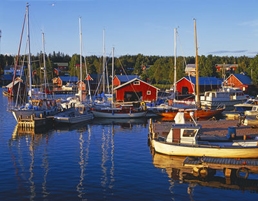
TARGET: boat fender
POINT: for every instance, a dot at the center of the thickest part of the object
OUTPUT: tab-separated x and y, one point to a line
242	173
143	104
203	172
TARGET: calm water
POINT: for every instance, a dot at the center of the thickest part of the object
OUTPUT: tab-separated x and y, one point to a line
100	160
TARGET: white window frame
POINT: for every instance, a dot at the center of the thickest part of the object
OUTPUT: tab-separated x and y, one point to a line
148	92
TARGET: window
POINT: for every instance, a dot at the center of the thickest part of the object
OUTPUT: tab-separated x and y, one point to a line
148	92
189	133
136	83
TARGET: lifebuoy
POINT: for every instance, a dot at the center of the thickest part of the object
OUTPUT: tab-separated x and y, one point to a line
243	171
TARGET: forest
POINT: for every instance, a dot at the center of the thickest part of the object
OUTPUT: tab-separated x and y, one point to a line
157	70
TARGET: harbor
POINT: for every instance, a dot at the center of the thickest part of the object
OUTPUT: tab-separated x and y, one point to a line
99	158
88	113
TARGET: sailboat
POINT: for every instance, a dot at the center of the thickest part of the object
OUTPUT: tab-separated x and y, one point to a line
80	112
104	98
198	112
36	106
118	111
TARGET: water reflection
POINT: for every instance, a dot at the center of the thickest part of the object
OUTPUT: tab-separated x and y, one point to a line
22	145
84	158
177	172
124	123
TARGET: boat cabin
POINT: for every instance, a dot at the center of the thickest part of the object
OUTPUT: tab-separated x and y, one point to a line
224	94
183	134
253	111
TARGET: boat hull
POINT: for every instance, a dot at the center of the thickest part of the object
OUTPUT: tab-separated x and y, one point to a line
31	112
111	114
73	120
214	104
197	114
251	121
72	116
205	150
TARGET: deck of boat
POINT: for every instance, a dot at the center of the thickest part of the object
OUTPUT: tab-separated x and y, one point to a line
212	127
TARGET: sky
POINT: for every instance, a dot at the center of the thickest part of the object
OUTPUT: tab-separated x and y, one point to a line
131	27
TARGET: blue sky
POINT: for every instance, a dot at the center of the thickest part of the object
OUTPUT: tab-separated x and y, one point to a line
224	27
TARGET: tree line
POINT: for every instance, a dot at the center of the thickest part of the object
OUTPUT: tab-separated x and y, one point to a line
157	70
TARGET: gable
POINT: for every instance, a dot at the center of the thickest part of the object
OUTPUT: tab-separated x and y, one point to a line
134	80
244	79
126	78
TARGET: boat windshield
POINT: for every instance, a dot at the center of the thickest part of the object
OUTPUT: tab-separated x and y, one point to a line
189	132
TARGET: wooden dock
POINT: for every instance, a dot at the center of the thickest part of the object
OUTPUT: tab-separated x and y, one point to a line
202	166
34	122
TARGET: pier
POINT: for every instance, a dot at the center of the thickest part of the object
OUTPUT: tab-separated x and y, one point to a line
34	122
205	166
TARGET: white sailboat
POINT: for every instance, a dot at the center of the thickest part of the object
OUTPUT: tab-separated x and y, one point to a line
104	98
79	112
119	111
37	106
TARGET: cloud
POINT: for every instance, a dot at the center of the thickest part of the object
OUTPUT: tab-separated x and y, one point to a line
228	51
252	23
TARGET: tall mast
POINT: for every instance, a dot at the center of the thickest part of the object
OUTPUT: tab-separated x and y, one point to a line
197	95
44	64
175	55
29	53
112	92
80	81
104	63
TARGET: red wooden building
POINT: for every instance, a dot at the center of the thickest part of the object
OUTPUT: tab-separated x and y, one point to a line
241	81
186	85
121	79
136	90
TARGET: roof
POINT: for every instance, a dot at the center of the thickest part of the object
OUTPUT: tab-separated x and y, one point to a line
69	78
126	78
205	80
243	78
120	86
95	76
61	63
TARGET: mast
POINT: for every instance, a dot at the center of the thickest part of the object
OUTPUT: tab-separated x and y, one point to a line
104	62
29	59
175	55
80	81
113	49
197	88
88	82
44	64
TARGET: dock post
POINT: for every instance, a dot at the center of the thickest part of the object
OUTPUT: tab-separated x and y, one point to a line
227	172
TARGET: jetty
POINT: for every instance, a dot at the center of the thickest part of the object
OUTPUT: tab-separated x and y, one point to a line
33	122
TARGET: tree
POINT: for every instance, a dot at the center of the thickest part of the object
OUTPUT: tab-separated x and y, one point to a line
75	60
254	69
